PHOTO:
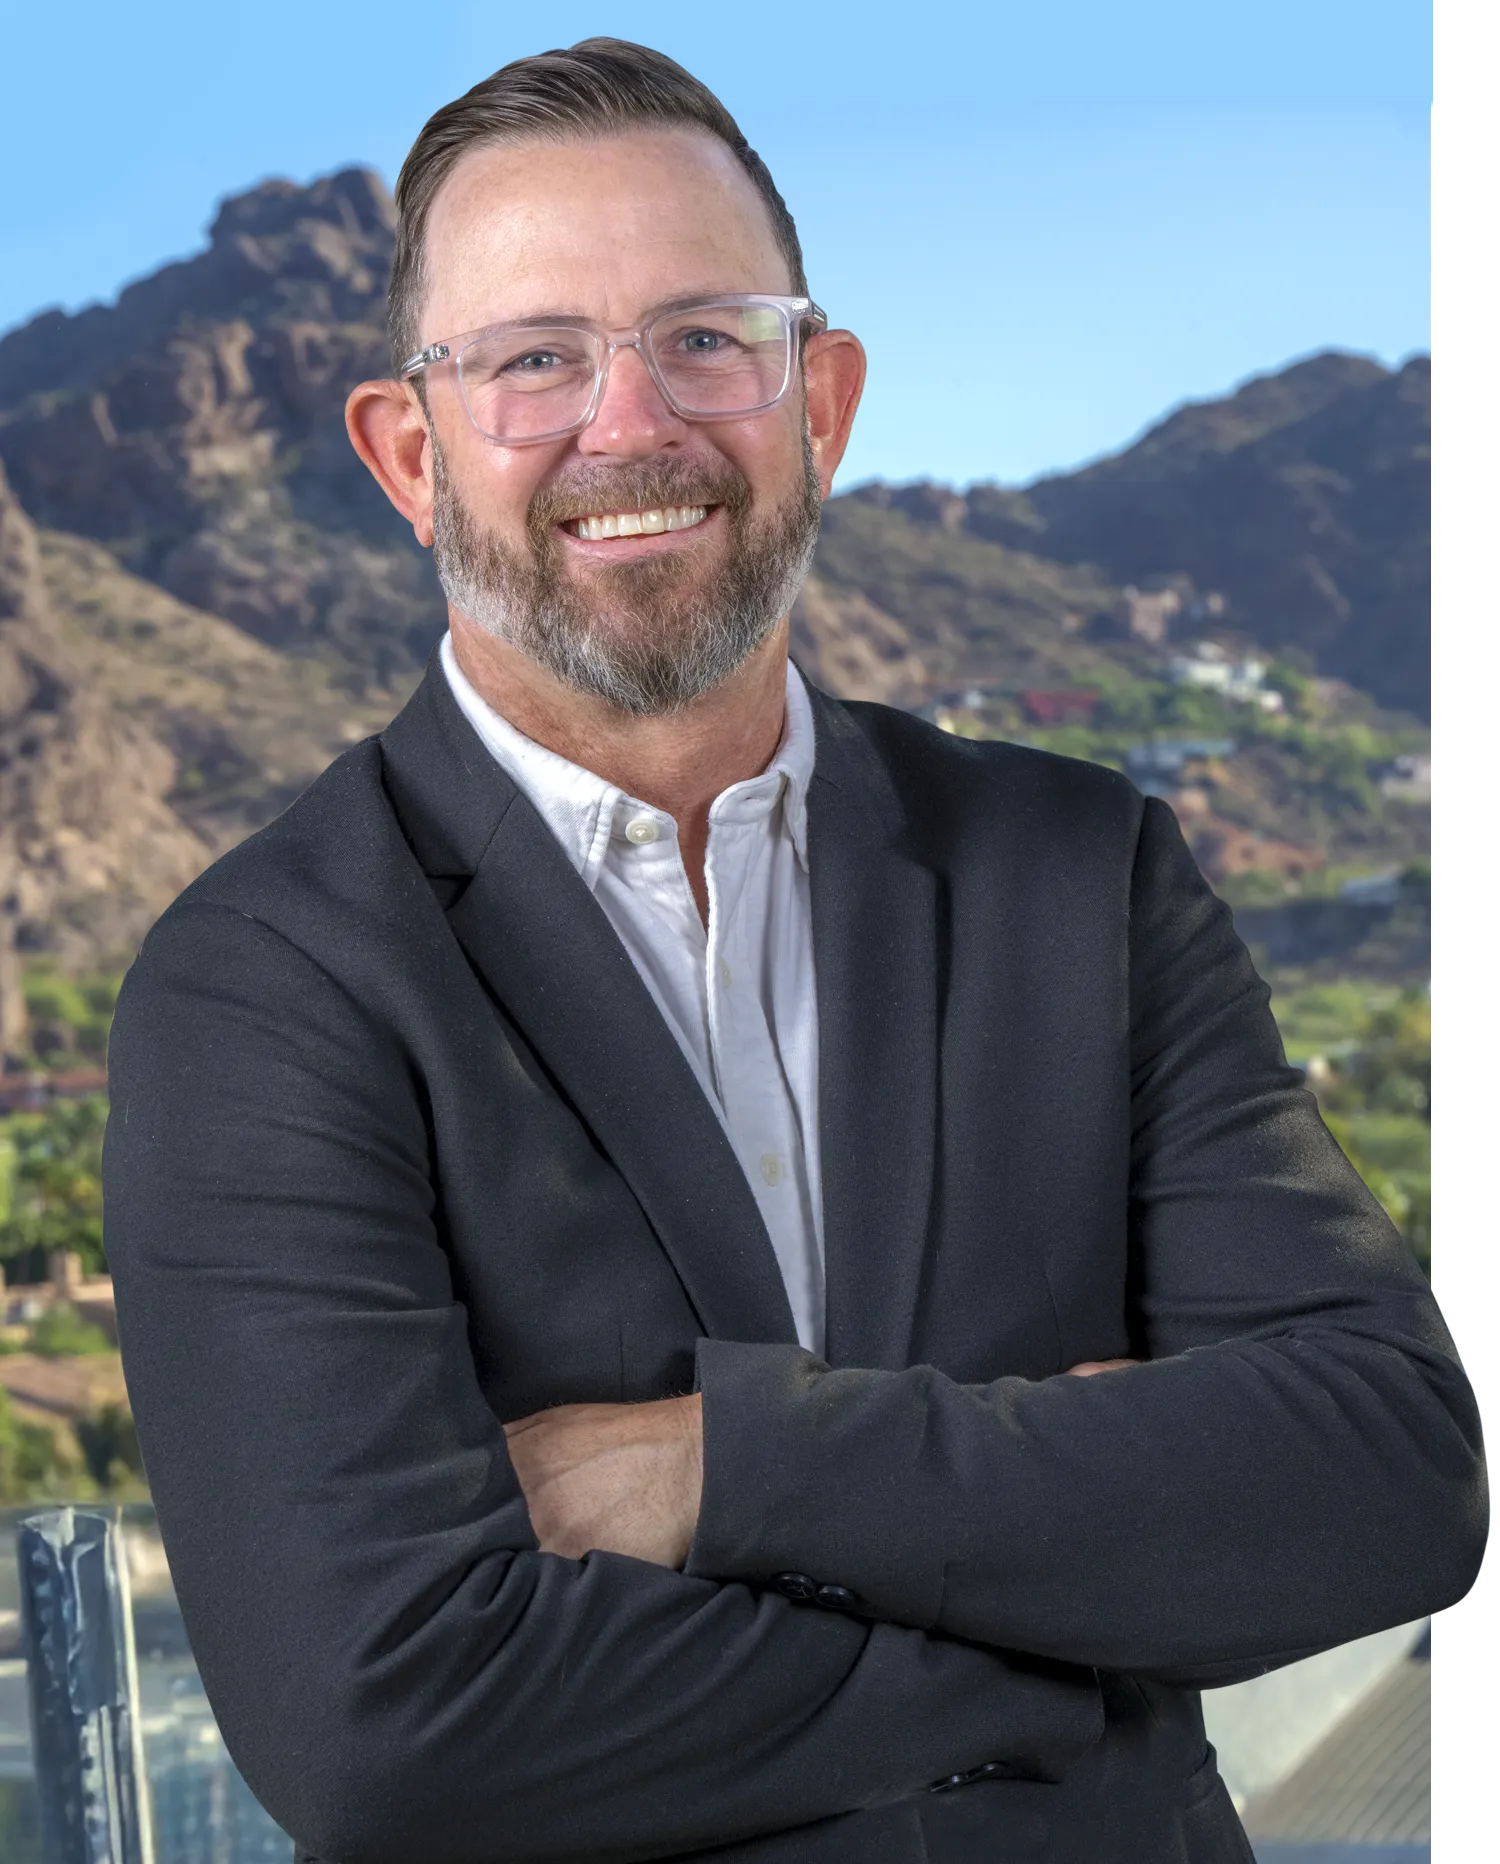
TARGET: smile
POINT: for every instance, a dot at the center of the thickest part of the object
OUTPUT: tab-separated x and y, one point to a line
638	523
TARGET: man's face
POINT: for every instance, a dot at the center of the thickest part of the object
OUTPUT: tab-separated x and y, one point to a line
610	229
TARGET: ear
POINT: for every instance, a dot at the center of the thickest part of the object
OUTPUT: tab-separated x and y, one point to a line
389	432
834	375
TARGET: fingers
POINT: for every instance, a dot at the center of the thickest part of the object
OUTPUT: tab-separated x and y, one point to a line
1086	1368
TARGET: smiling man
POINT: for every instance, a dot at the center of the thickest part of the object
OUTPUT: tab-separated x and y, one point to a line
608	1194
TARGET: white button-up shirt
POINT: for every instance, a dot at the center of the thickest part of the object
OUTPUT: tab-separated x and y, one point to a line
739	996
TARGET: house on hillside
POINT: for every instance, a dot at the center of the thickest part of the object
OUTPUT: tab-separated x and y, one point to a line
36	1090
1382	889
1154	767
1408	779
1211	667
92	1295
1074	705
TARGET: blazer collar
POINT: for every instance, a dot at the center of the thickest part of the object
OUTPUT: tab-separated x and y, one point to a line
876	906
554	964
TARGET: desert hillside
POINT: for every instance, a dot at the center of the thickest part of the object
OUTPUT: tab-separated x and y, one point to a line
203	596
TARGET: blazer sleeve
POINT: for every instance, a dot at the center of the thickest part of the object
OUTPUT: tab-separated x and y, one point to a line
398	1672
1298	1463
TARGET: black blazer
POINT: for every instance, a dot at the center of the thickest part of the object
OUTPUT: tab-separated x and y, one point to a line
400	1148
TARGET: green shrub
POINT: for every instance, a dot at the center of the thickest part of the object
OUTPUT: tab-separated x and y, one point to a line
30	1466
51	1196
111	1452
62	1331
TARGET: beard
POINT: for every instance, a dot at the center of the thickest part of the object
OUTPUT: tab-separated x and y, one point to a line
650	636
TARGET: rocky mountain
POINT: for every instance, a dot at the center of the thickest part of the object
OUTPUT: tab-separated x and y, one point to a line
195	428
90	847
1301	501
203	596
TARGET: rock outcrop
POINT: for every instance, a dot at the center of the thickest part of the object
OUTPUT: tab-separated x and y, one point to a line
90	851
196	428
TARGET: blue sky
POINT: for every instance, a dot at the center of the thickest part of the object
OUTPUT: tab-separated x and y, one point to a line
1136	204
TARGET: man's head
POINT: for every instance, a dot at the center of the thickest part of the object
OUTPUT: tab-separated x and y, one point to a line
597	186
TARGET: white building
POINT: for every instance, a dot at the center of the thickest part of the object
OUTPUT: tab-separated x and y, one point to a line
1210	666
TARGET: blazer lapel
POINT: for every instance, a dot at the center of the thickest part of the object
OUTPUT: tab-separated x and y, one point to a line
549	955
875	911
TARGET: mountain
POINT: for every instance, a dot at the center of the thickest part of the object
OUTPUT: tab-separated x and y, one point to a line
195	428
1301	500
91	849
204	596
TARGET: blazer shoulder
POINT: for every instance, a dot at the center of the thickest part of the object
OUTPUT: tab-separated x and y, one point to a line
337	848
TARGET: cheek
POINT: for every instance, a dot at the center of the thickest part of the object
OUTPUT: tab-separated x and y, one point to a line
768	452
497	484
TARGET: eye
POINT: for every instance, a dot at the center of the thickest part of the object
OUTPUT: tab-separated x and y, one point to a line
534	362
705	342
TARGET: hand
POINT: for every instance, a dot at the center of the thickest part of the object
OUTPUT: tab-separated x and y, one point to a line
622	1478
1086	1368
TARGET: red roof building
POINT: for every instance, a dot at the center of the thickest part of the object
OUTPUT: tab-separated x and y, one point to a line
1073	706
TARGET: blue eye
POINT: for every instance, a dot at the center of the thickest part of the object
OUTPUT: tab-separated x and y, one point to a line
534	362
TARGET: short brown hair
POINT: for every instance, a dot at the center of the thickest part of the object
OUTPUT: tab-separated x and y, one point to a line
597	87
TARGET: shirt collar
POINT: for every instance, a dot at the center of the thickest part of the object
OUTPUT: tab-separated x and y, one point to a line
794	759
582	809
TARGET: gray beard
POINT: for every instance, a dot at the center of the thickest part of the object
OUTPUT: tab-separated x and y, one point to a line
647	638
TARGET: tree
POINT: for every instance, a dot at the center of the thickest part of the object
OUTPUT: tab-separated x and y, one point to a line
51	1196
111	1452
1391	1068
68	1016
30	1466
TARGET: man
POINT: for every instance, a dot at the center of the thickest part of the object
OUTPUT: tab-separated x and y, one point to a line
606	1192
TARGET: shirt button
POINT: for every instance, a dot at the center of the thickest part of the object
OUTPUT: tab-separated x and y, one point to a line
770	1168
642	831
725	972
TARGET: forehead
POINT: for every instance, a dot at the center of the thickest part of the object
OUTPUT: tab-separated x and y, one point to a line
602	227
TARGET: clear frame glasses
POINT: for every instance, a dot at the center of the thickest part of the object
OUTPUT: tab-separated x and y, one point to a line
712	359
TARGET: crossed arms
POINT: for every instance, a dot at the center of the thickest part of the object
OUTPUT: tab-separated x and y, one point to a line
626	1478
400	1666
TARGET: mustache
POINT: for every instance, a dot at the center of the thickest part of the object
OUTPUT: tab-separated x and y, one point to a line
647	485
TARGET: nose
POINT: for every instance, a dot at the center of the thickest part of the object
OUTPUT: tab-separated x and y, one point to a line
632	420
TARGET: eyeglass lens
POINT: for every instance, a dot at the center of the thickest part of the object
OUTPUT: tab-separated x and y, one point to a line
713	360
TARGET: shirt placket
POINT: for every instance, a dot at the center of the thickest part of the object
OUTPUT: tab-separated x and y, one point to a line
758	1105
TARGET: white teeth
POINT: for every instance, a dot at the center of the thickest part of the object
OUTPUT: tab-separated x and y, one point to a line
639	523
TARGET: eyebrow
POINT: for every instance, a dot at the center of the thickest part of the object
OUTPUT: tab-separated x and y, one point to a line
565	320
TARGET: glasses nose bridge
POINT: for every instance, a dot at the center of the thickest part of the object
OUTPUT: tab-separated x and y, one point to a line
628	339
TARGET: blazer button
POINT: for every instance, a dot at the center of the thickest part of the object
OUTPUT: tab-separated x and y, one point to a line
836	1598
795	1586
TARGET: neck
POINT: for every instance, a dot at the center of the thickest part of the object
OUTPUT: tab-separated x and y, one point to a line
678	763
